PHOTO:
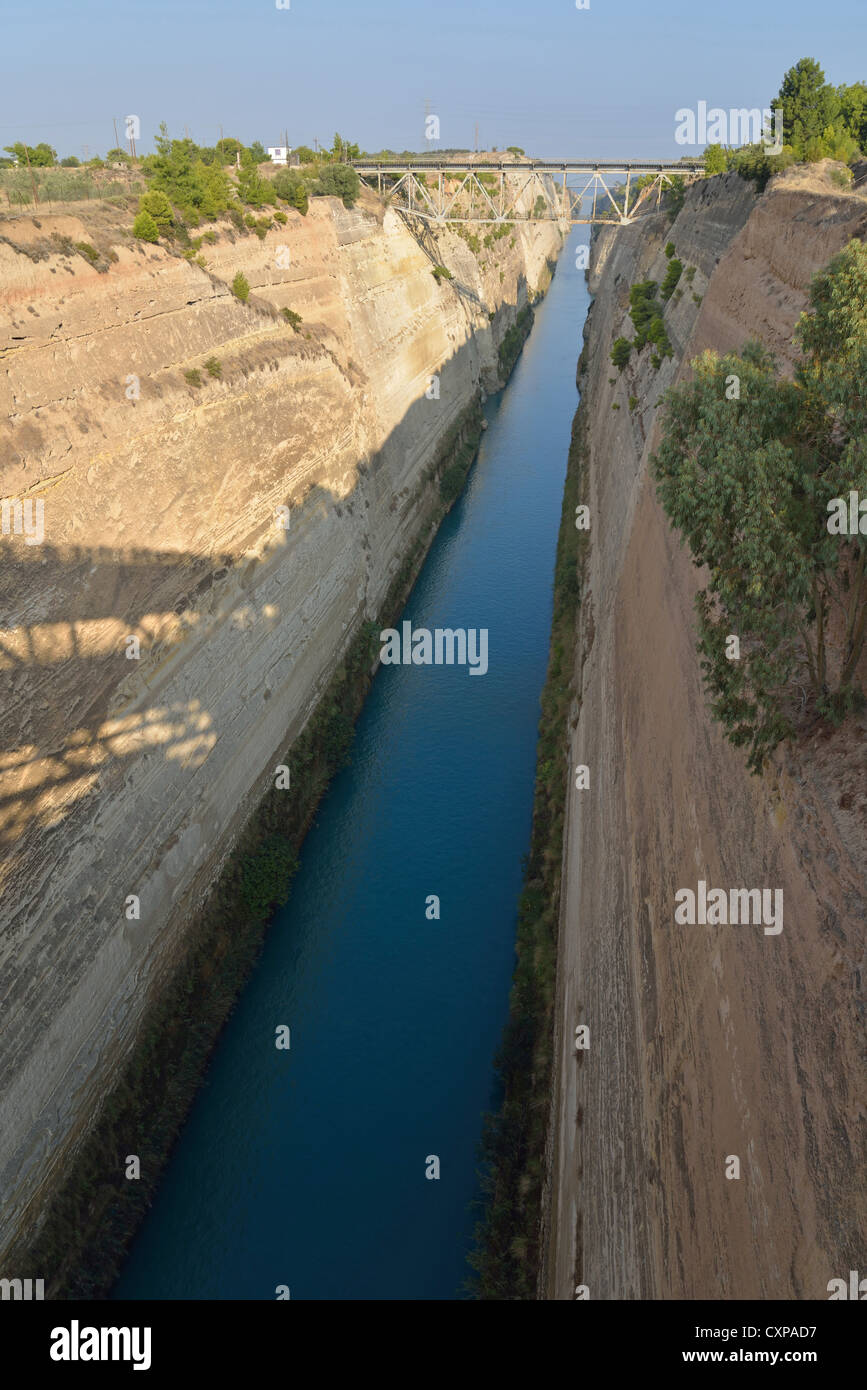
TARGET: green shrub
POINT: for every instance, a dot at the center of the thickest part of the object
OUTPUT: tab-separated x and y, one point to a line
290	186
241	287
669	249
291	317
441	272
340	181
633	402
267	874
214	368
157	204
672	275
145	228
193	376
89	252
621	352
281	218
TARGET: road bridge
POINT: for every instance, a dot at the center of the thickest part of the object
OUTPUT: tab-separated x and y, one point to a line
482	189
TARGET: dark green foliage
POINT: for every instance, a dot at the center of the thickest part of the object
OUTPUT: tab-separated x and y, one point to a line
669	249
198	189
193	376
293	318
266	875
241	287
621	352
214	368
809	104
89	252
747	480
753	162
290	186
853	112
70	162
646	315
441	272
253	190
339	181
672	275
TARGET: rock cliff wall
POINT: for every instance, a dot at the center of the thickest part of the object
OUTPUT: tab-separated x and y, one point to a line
240	519
705	1042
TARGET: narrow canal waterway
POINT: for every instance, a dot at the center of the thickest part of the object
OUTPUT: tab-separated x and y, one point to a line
306	1168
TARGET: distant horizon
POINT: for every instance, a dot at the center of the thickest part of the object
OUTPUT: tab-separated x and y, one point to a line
604	82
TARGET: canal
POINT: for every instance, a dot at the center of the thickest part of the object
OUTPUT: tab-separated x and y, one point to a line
306	1167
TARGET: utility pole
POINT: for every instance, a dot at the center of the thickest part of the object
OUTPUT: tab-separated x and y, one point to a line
116	141
477	137
221	144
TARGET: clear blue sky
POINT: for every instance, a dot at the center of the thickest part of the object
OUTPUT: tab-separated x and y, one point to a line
538	73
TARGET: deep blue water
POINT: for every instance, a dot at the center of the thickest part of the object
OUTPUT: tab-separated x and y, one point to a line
306	1167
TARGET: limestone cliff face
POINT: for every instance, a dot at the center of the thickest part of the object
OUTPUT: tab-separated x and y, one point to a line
705	1042
165	520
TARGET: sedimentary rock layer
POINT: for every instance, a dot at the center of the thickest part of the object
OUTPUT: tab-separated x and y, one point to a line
236	496
706	1042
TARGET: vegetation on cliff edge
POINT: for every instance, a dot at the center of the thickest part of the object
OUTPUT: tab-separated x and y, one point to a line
758	474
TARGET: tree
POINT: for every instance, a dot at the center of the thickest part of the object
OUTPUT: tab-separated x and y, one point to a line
241	287
305	154
290	186
620	352
853	112
158	206
340	181
810	106
197	189
40	156
747	477
145	228
515	150
257	152
715	160
118	156
343	149
228	148
70	162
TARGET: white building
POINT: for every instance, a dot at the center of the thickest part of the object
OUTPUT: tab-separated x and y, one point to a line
279	154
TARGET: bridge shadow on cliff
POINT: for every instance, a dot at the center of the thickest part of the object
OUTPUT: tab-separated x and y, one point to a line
76	712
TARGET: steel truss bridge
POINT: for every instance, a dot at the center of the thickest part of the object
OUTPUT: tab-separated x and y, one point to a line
559	190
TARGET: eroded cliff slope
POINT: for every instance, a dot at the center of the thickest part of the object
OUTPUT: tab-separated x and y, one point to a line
237	496
705	1042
